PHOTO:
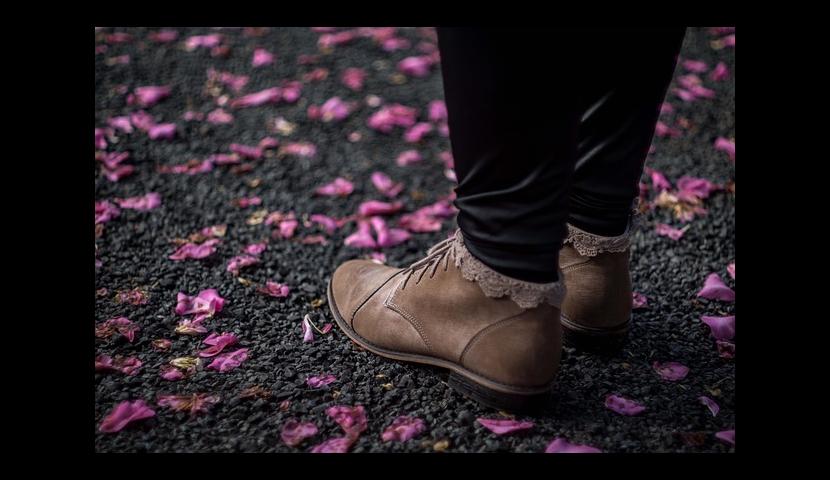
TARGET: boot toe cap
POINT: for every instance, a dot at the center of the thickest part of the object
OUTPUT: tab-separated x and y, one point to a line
354	280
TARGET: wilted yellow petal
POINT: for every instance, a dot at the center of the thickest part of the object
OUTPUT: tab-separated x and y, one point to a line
441	446
185	363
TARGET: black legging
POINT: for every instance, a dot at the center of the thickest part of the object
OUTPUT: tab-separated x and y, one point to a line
550	126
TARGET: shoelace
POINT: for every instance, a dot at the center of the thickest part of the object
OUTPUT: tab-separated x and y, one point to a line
439	251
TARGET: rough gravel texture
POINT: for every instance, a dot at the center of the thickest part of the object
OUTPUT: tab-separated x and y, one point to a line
134	249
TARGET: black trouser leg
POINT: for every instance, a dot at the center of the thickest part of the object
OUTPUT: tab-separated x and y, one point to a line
621	96
513	134
514	126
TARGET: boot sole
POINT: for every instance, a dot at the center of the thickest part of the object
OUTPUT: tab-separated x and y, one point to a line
462	380
594	339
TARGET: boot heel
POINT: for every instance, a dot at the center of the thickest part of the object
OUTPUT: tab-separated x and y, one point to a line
499	400
594	341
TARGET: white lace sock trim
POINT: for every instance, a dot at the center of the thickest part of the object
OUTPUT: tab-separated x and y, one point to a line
590	245
526	294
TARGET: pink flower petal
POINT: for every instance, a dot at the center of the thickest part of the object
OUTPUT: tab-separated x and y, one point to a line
118	173
143	203
408	158
663	130
696	66
726	145
286	228
723	328
125	413
234	82
560	445
142	120
695	187
402	429
374	207
219	117
437	111
100	140
163	36
195	251
395	43
710	404
388	237
339	187
658	180
162	131
390	116
275	289
668	231
501	427
715	289
671	371
351	419
240	262
731	270
246	151
217	343
269	95
329	224
255	248
149	96
268	142
308	332
335	110
684	95
205	304
127	366
420	222
416	66
195	403
171	373
334	445
262	57
721	72
105	211
700	91
623	406
727	436
112	160
362	238
203	41
300	149
330	40
353	78
417	132
318	382
229	361
294	433
120	123
385	185
638	300
121	325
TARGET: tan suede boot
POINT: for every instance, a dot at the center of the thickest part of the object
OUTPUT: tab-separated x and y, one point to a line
596	312
499	337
